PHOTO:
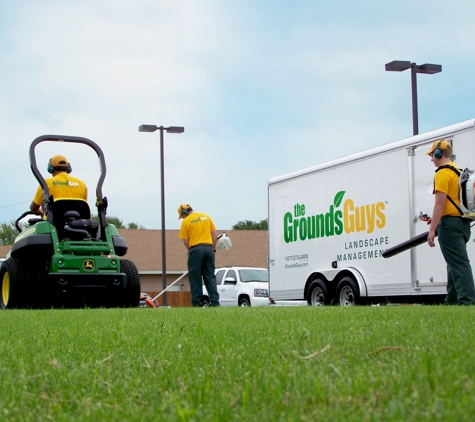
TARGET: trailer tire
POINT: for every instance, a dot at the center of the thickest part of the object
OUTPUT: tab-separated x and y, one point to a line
205	303
318	293
348	293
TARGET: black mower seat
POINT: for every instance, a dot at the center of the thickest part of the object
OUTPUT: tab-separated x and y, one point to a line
72	219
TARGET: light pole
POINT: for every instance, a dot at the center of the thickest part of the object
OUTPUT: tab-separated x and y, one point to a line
428	69
171	129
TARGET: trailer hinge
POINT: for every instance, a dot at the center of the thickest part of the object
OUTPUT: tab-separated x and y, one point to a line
416	285
411	151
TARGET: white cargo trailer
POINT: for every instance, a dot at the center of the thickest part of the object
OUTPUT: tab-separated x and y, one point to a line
329	224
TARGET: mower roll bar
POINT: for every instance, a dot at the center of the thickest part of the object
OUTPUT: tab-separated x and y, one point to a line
101	202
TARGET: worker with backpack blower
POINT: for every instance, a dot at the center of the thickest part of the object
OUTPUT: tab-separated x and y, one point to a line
452	228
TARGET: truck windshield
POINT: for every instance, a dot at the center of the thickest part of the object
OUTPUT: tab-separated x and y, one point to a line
247	276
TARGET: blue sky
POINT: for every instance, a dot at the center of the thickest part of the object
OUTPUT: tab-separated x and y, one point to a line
263	88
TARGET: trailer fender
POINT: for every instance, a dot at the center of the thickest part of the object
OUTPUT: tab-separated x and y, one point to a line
338	273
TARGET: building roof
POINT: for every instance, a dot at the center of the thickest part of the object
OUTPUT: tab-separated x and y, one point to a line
249	248
145	249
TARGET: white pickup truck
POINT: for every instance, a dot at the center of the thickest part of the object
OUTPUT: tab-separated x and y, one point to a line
241	286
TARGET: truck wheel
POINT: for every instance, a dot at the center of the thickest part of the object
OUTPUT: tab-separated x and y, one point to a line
318	293
15	285
347	292
130	296
244	302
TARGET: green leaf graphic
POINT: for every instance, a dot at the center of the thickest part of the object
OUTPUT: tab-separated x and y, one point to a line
338	198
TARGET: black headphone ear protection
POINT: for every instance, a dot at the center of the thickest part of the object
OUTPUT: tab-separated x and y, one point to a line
184	211
438	152
68	169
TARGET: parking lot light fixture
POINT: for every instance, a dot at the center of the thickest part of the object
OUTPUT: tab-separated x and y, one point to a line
170	129
397	66
148	128
175	129
427	68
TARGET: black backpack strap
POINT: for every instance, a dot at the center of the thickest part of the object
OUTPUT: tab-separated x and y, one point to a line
459	172
455	205
447	166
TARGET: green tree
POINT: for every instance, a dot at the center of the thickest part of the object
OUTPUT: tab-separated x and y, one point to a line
133	225
251	225
8	233
116	221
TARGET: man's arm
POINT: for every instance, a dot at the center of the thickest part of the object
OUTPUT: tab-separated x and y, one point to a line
186	243
34	207
214	236
439	206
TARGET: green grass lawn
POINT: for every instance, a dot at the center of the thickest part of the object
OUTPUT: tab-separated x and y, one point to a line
383	363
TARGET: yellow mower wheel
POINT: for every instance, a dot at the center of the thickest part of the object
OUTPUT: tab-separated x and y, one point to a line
5	289
15	284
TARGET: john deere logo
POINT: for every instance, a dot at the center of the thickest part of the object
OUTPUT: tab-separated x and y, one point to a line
88	264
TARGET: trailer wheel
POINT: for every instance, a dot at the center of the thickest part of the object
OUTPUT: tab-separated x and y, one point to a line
347	292
244	302
15	285
205	303
318	293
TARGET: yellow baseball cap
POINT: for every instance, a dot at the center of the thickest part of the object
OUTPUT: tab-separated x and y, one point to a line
181	208
441	144
59	161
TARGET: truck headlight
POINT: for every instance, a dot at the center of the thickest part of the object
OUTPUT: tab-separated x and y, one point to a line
261	293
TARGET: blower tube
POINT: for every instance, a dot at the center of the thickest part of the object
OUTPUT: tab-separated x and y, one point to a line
404	246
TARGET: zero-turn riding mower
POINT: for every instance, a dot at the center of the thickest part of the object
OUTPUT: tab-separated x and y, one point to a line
66	259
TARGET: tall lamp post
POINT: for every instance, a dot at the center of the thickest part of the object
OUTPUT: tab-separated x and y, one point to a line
171	129
428	69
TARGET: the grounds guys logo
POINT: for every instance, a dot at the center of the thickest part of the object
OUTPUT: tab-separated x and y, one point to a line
348	218
66	183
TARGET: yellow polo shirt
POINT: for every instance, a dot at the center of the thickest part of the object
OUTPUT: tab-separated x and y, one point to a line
62	186
447	181
197	228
